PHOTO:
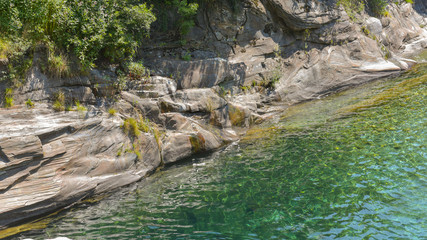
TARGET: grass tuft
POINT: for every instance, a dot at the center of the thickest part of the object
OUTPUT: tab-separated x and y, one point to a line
29	103
59	103
112	111
8	98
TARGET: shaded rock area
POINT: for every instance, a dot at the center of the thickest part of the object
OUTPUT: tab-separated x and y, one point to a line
243	65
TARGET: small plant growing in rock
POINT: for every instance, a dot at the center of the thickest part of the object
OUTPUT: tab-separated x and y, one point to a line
186	56
366	31
57	65
112	111
59	104
144	124
80	108
130	126
29	103
8	98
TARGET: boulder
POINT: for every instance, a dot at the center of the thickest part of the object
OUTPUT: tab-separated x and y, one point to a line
176	146
374	25
148	107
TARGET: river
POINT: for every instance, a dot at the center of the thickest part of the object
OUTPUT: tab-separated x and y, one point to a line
349	166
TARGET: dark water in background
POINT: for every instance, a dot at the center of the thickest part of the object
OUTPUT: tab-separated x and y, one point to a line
351	166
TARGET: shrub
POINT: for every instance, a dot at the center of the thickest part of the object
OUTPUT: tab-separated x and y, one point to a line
187	11
378	7
29	103
89	29
137	70
18	60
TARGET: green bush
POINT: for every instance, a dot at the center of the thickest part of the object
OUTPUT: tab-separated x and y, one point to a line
187	11
90	29
378	7
137	71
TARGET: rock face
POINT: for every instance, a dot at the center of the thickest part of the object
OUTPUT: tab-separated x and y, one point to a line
239	60
49	160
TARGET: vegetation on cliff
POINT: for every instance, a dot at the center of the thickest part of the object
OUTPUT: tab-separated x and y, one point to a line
77	31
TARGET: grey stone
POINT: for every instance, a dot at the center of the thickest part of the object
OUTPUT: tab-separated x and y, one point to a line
177	146
192	100
374	25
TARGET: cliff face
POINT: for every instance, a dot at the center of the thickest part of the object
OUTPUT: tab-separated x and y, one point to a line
238	61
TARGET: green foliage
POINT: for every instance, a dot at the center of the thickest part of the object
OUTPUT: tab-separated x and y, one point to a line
57	65
409	1
378	7
8	98
18	58
187	12
137	71
4	48
353	7
29	103
183	12
89	29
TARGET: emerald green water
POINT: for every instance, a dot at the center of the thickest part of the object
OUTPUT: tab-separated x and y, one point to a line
351	166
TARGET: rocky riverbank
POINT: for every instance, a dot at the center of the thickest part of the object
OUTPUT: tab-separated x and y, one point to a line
242	65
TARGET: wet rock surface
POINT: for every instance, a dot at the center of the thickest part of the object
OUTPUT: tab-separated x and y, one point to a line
246	65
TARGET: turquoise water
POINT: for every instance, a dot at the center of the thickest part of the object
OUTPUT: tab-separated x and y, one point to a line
351	166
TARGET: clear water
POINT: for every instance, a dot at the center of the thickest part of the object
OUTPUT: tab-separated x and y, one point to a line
351	166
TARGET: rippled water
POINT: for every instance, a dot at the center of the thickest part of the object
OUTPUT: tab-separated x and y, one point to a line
350	166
